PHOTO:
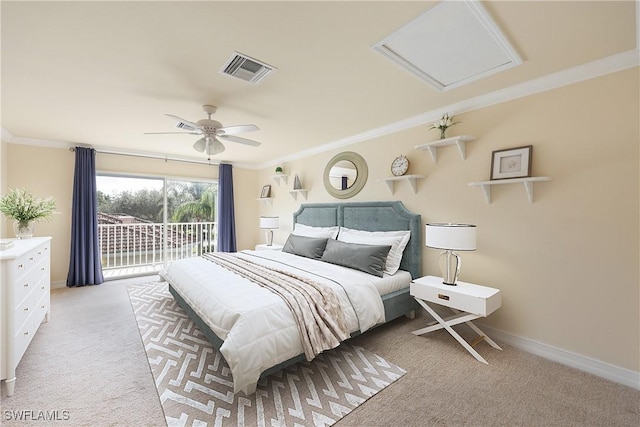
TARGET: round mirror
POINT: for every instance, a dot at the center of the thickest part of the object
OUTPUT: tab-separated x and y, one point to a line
345	175
342	175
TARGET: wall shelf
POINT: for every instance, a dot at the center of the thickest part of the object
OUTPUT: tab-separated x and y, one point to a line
302	192
266	200
459	141
527	182
411	179
280	177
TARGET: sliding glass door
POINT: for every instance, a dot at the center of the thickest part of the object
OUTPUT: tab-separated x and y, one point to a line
146	222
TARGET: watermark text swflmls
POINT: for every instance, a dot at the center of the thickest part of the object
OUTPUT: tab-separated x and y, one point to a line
36	415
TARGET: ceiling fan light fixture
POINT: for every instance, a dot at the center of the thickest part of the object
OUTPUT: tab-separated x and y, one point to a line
200	145
215	147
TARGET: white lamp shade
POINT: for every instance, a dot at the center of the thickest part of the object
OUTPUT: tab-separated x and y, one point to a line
269	222
451	237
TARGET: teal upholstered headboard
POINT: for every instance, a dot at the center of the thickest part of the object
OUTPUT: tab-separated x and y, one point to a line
369	216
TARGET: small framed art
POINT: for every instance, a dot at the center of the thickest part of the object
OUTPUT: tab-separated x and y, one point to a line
511	163
266	192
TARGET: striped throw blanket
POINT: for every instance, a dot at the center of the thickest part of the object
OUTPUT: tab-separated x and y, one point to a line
315	307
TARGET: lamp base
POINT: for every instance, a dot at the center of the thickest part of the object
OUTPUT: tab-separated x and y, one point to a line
450	264
269	237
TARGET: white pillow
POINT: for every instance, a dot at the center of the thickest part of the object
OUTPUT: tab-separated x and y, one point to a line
397	239
322	232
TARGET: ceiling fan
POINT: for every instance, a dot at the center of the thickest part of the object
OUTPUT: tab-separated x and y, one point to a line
212	131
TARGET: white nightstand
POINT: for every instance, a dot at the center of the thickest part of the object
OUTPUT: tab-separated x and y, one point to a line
265	247
467	300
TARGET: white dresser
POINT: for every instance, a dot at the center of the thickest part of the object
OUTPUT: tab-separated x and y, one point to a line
24	300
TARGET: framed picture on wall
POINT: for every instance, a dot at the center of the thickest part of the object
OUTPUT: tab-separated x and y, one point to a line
266	192
511	163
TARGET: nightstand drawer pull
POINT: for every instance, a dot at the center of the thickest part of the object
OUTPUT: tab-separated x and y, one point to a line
444	297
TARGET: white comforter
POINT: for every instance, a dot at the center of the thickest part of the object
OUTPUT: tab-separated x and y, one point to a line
258	329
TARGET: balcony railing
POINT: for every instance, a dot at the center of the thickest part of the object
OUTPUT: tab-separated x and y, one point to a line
140	244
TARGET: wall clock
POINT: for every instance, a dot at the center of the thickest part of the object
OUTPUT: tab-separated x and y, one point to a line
399	166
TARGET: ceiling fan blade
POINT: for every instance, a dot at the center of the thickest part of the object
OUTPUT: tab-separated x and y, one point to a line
233	130
183	121
240	140
167	133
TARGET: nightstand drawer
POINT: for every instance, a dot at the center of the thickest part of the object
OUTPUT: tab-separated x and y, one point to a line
480	300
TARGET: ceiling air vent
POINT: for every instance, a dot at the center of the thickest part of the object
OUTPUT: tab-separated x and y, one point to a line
246	68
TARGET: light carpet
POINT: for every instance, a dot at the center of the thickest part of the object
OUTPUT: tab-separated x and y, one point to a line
196	388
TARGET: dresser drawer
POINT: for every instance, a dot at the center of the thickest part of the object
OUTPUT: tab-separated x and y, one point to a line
22	339
480	300
24	310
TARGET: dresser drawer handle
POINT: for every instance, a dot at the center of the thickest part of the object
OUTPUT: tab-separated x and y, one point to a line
26	309
444	297
26	285
39	253
30	258
26	333
20	265
41	268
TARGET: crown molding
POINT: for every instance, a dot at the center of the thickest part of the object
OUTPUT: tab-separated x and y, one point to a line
5	135
67	145
587	71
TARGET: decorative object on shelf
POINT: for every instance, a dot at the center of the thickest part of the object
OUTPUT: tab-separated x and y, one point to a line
399	166
297	185
443	124
25	210
266	191
279	170
511	163
269	223
450	237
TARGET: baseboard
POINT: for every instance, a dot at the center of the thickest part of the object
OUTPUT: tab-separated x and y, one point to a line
59	284
605	370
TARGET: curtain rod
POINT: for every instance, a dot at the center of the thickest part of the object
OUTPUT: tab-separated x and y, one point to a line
149	156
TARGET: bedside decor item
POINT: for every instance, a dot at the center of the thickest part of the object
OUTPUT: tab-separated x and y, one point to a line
25	210
399	166
511	163
266	191
443	124
279	170
269	223
450	237
297	185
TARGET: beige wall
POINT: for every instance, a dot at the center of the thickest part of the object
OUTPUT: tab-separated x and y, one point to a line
49	172
567	264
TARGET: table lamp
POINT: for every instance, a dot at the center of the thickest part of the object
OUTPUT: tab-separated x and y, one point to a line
269	223
450	237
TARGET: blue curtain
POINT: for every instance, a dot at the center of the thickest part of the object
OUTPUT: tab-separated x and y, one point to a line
226	215
85	267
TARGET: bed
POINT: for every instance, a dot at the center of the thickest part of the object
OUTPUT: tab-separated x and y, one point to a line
251	326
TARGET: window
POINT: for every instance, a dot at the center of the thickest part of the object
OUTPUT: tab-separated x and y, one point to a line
146	222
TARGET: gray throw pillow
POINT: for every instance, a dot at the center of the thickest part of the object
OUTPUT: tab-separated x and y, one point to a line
310	247
368	258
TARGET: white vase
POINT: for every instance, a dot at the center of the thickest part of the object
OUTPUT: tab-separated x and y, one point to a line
22	230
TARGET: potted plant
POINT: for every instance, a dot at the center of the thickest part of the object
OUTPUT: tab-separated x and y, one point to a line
278	170
25	210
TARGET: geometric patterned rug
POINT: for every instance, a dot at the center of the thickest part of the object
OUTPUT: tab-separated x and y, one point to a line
196	388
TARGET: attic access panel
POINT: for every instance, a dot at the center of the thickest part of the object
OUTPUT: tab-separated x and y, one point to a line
450	45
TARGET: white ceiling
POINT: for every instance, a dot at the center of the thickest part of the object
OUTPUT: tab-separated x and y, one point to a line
104	73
